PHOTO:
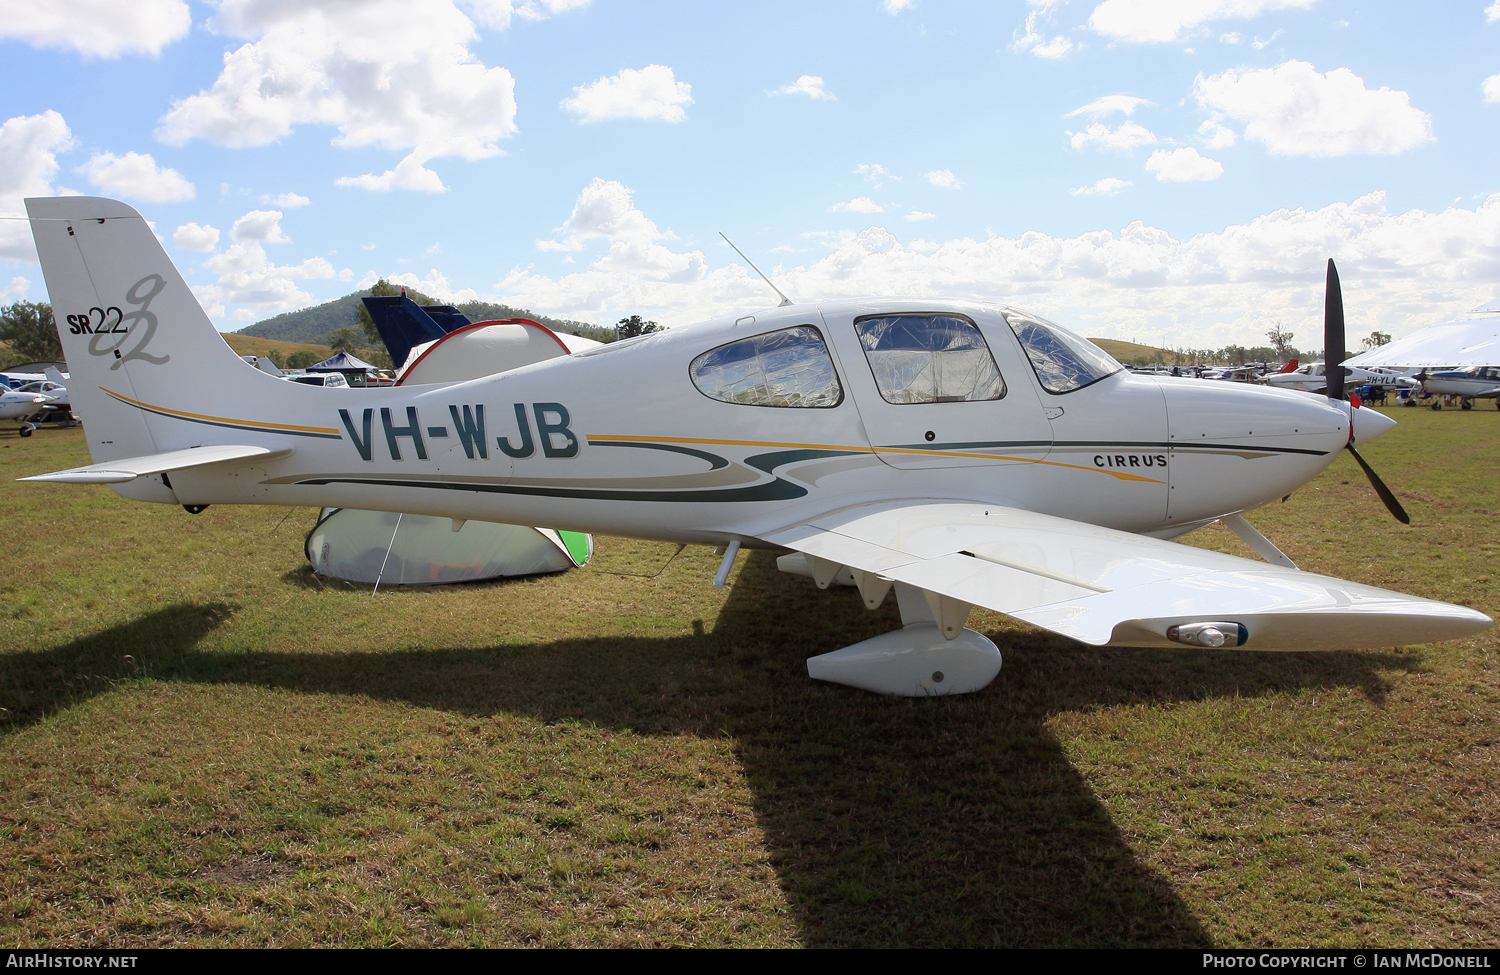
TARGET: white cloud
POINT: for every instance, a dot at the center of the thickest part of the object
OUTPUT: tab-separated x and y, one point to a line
1129	137
1230	38
1108	186
1492	12
1491	86
263	226
919	215
1400	271
874	173
606	210
1032	40
96	28
944	180
894	7
286	201
409	174
136	175
196	238
1215	134
1186	165
1166	20
810	85
389	73
636	266
247	277
28	161
498	13
1105	104
1261	45
1296	111
860	204
15	291
435	285
651	92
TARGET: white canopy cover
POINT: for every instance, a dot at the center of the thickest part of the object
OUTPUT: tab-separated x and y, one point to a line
419	550
1470	342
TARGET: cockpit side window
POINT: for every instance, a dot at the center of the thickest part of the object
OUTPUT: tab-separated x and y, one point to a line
786	368
929	359
1063	362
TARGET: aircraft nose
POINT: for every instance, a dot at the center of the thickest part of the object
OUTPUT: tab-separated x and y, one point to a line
1368	424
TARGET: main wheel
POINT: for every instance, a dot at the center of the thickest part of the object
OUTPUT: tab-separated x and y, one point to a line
25	429
1437	404
1466	404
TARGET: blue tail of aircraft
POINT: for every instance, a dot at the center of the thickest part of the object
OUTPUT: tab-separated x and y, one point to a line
403	323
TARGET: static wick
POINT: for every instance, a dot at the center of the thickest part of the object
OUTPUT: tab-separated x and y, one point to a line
784	299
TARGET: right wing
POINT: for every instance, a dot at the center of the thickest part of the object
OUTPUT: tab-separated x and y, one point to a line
1101	586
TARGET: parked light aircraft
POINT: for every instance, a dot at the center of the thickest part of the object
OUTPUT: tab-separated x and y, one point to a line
1474	382
956	452
1313	378
16	405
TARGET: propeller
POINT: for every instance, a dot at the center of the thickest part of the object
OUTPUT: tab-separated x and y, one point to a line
1333	358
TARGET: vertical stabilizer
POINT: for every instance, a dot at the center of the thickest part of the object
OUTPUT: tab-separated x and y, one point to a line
137	342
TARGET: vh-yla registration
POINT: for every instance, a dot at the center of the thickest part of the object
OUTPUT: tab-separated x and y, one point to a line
948	453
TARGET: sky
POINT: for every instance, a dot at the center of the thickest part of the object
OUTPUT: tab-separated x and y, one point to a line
1173	172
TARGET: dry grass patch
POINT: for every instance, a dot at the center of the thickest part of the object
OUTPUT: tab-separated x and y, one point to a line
205	744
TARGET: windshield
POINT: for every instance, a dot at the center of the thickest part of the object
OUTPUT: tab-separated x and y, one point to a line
1063	362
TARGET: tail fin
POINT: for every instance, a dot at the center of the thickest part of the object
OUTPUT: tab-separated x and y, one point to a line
133	334
1291	366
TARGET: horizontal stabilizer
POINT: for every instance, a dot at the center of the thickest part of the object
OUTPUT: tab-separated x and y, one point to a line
130	468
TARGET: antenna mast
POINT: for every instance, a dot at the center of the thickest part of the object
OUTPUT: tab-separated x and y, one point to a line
784	299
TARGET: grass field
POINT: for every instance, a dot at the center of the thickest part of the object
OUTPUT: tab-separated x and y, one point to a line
204	744
1134	352
252	345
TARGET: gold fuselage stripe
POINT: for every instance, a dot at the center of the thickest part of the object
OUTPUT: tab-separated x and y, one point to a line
220	419
876	450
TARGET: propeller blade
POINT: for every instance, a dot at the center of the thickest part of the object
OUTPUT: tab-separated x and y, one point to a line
1391	504
1333	334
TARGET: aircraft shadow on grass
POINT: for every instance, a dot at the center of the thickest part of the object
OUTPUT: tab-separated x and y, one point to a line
957	821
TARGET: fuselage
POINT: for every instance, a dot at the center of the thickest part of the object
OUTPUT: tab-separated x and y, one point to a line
17	405
1475	382
624	439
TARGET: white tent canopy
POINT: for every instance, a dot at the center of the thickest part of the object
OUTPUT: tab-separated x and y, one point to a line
419	550
1472	342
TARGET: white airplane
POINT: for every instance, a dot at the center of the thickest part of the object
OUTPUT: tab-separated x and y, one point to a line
956	452
16	405
1313	378
1471	383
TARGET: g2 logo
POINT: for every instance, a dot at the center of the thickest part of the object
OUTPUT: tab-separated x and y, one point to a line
135	328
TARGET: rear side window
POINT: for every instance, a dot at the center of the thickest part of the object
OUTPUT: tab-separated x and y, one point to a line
929	359
788	368
1063	362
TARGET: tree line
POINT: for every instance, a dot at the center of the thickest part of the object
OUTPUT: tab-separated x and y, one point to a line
1279	350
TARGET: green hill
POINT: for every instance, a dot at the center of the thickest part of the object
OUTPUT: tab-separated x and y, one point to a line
312	325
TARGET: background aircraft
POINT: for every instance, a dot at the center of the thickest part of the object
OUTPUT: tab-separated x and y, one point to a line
951	452
1470	383
1313	378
